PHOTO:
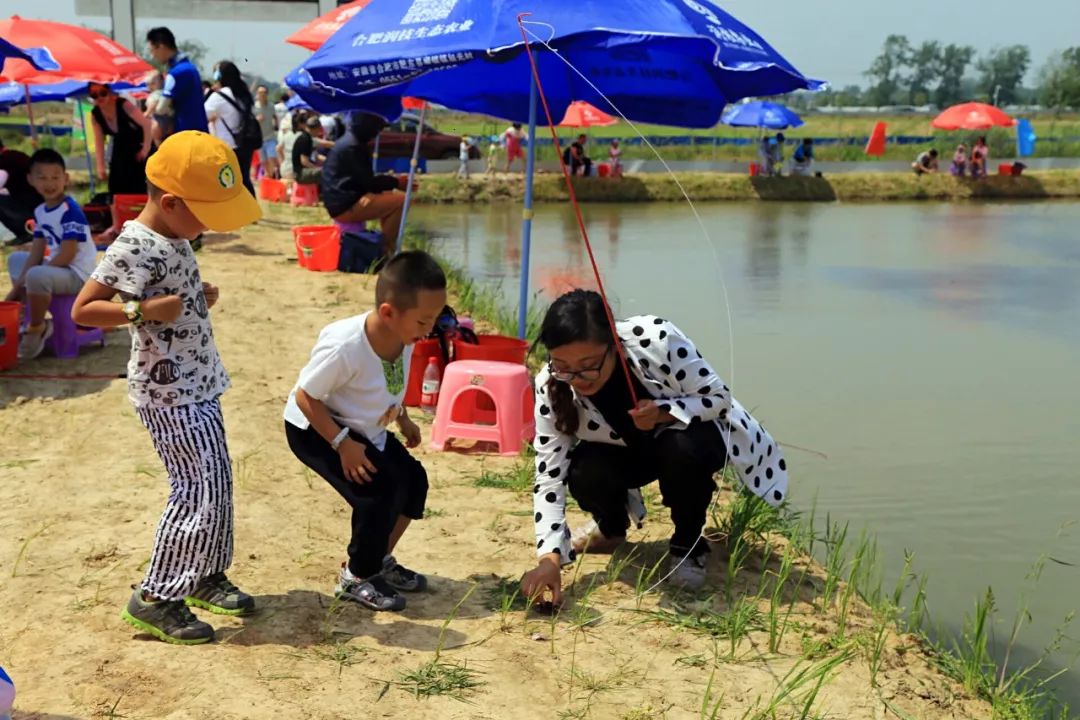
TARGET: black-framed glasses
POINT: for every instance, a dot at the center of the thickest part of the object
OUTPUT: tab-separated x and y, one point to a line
587	374
99	94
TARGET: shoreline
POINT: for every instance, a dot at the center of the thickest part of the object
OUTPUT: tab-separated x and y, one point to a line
716	187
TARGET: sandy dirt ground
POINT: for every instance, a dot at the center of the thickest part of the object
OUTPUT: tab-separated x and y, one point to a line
80	494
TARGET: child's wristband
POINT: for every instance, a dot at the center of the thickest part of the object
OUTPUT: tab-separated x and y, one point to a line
340	438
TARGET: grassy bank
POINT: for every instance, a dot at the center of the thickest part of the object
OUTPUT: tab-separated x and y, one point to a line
860	187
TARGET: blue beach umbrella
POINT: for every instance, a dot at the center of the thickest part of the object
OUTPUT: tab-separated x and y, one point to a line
16	93
40	58
673	62
759	114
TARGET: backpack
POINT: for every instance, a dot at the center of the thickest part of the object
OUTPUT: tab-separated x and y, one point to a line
250	134
447	329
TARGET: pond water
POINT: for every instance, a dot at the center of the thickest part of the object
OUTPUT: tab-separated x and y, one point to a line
924	356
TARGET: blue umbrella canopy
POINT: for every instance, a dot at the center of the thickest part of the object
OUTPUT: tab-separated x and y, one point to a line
15	93
675	62
762	115
40	58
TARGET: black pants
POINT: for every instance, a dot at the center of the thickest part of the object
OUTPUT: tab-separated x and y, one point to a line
398	488
14	212
684	461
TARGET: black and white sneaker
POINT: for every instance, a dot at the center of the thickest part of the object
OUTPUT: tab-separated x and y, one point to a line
374	592
402	578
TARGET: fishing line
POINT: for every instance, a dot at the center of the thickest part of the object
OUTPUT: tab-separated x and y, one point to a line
619	350
693	208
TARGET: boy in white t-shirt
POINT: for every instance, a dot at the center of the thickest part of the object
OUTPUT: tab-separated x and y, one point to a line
336	421
60	226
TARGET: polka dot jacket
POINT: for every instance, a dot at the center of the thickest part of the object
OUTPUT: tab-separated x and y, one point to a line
684	385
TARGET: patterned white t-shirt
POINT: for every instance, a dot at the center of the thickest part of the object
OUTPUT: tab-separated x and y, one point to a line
171	364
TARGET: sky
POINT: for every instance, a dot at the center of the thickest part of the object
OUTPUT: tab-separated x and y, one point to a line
834	40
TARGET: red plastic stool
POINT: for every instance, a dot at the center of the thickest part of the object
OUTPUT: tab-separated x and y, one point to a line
304	195
469	389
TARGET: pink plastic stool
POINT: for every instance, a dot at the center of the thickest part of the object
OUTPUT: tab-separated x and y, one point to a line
304	194
486	401
67	337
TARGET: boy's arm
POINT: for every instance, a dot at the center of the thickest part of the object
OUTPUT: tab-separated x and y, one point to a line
94	307
354	460
68	250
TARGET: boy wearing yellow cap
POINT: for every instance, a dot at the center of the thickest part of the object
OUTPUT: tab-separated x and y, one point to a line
175	377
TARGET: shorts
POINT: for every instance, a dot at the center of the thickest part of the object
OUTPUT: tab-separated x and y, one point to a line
44	279
513	153
268	150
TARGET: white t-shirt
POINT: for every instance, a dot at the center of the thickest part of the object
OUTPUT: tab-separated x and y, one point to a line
228	117
346	375
66	222
173	363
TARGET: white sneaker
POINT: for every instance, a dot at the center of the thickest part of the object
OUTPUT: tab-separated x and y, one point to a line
687	573
33	344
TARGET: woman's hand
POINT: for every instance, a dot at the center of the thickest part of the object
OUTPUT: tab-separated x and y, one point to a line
141	155
545	577
647	415
103	174
355	462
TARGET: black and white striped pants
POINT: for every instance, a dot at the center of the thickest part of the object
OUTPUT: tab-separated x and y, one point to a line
195	535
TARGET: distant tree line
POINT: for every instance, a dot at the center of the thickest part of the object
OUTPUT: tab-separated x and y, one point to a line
943	75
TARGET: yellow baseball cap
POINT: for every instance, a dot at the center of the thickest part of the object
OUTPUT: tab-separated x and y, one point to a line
204	173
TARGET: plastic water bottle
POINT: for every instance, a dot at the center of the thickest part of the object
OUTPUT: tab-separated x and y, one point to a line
429	388
466	322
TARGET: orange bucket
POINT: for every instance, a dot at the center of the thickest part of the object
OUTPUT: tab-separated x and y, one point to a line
9	334
272	190
317	247
498	348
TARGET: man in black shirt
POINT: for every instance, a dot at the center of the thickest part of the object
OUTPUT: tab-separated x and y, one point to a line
352	192
306	165
574	156
17	205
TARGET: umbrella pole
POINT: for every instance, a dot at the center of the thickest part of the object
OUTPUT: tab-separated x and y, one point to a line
30	116
527	213
375	155
413	162
86	143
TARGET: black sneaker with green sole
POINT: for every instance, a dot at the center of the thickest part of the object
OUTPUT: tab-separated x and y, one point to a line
218	595
170	621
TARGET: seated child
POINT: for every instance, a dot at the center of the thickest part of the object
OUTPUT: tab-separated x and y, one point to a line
336	421
959	161
60	226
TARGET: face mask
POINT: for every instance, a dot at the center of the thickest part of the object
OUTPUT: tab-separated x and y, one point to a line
217	76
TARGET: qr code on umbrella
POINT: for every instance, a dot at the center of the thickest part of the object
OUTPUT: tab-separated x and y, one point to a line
422	11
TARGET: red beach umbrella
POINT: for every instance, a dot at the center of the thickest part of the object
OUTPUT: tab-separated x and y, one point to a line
581	114
82	54
316	32
972	116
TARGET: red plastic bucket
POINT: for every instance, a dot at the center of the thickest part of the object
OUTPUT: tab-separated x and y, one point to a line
317	247
272	190
127	207
422	350
755	169
9	334
498	348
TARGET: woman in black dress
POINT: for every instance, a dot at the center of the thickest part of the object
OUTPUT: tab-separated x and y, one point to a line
130	132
